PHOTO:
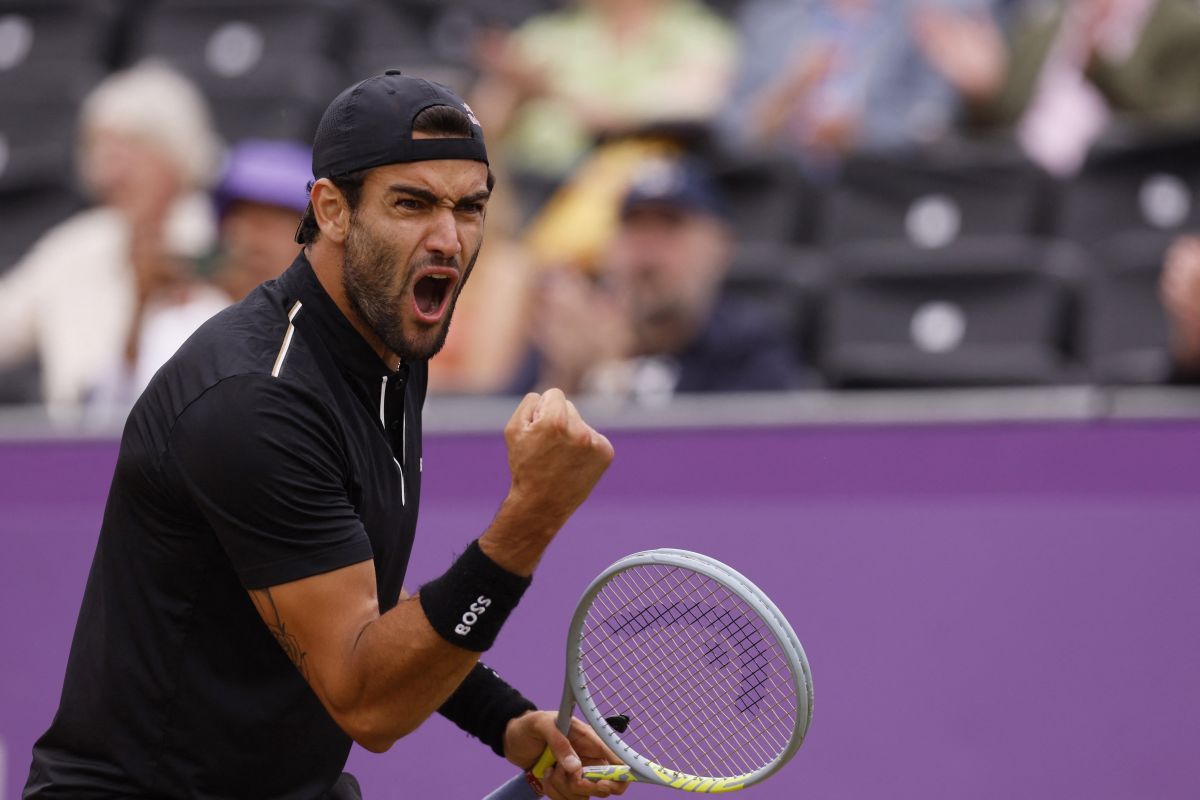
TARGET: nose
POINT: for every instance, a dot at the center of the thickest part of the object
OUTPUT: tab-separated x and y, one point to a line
442	238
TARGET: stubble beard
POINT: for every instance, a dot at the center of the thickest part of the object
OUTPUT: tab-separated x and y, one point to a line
367	272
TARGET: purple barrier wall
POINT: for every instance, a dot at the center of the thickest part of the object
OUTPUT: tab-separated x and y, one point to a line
990	611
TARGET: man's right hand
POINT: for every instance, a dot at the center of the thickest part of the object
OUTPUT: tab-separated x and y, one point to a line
555	459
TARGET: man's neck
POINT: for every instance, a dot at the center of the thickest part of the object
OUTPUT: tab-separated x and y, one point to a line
326	262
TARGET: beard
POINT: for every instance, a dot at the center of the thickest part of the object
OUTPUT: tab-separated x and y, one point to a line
368	279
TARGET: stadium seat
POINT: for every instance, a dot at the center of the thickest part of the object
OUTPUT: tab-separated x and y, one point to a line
45	43
789	282
27	214
1134	196
769	199
268	67
388	35
1125	328
20	384
233	38
985	312
1151	184
37	141
932	200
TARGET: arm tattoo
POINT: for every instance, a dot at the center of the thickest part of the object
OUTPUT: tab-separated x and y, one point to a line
270	614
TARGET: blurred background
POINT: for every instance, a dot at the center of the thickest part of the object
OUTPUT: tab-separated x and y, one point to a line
695	197
903	294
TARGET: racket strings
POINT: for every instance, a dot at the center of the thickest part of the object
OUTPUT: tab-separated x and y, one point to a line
704	682
673	706
685	726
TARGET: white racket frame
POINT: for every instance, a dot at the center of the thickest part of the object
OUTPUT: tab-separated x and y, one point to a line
575	692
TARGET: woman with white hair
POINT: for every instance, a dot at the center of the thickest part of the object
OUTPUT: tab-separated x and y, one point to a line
104	298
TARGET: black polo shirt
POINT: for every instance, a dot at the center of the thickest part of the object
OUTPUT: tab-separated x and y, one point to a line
273	446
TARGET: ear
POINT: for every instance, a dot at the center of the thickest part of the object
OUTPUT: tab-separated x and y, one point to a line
331	211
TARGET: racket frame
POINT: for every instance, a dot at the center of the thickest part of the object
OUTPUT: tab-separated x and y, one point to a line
640	768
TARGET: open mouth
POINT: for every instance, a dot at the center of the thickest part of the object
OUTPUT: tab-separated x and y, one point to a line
431	294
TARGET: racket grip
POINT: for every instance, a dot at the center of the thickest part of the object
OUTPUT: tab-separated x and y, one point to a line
518	788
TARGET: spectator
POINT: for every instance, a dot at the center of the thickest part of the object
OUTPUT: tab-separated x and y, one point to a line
605	66
260	198
1072	66
1181	298
657	324
822	78
105	297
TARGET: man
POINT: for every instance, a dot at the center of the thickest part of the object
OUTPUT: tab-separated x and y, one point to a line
244	621
657	323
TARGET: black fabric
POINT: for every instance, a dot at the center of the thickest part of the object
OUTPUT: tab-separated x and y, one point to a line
483	704
741	349
469	604
370	124
346	788
227	479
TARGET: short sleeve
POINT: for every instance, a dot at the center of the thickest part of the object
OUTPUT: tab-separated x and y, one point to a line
265	464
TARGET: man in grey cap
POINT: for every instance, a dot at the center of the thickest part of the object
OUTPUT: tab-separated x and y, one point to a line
244	620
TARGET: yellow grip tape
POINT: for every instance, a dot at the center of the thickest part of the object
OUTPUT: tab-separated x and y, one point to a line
543	764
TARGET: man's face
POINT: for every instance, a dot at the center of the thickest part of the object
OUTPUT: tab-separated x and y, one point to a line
410	248
667	265
257	240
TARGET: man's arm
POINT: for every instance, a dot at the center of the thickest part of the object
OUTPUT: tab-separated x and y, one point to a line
380	676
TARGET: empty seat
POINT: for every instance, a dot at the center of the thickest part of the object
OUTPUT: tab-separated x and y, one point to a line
387	35
989	312
27	214
769	199
44	43
267	66
789	283
282	101
37	142
1150	185
20	384
233	38
931	202
1125	327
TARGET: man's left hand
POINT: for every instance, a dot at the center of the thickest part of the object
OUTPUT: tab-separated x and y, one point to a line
528	735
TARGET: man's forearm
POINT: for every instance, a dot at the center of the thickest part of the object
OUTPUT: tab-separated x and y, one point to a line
409	661
406	671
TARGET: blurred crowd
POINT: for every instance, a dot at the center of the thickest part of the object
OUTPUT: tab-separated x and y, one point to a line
616	238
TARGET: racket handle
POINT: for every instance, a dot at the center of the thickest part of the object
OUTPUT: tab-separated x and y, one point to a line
518	788
543	764
527	784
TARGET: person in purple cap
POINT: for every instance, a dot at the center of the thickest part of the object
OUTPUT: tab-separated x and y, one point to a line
262	191
244	621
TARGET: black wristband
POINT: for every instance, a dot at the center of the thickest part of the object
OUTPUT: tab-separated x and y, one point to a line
483	704
470	602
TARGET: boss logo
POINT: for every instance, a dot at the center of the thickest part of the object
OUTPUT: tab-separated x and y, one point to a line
469	618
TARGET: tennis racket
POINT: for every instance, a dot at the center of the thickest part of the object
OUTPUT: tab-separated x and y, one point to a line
687	671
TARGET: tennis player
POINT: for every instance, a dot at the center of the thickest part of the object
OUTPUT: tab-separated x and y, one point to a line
244	620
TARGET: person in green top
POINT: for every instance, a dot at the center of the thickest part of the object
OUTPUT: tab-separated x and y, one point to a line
564	78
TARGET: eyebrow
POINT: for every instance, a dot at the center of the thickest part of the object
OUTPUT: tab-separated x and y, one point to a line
433	199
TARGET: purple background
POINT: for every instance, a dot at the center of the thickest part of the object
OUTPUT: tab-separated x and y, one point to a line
990	611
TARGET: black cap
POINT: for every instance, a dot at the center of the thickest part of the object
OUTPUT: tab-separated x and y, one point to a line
370	124
681	184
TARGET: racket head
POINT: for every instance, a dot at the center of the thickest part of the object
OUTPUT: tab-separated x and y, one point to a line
713	678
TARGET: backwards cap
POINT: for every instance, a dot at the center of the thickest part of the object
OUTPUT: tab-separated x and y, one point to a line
370	124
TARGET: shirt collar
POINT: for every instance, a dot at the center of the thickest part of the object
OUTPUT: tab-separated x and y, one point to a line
349	349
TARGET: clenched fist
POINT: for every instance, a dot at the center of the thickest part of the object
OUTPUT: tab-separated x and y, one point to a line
555	459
